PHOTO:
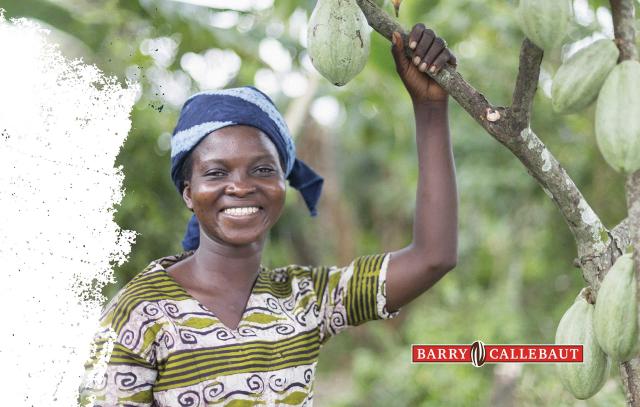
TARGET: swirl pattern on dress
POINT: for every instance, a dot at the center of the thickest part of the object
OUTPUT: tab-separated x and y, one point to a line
187	336
277	383
171	309
308	375
168	340
273	304
285	329
255	383
246	331
189	398
128	338
212	391
303	285
151	309
289	304
125	380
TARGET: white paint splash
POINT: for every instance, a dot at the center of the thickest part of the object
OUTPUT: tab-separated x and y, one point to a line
62	123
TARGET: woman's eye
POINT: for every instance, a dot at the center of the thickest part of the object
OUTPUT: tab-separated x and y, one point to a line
265	171
215	173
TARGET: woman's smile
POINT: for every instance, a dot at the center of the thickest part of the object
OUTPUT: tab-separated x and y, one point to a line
241	212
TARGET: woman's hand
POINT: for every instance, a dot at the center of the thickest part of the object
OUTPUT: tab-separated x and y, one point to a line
429	52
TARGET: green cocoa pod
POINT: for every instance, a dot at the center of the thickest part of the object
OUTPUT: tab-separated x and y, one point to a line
545	22
579	79
617	118
615	318
584	379
338	40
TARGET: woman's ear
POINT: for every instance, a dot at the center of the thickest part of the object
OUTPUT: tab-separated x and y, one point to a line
186	195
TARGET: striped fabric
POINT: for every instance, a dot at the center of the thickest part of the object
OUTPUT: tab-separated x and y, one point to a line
159	346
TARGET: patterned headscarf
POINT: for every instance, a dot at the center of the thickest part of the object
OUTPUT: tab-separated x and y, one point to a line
206	112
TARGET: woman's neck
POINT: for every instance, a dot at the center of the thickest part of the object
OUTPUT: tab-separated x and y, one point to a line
216	266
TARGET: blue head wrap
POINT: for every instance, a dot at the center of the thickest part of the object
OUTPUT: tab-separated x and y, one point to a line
206	112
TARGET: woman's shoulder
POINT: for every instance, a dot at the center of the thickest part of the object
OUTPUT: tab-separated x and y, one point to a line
147	287
371	261
291	272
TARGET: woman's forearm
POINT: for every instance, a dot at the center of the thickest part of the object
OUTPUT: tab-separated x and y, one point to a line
436	214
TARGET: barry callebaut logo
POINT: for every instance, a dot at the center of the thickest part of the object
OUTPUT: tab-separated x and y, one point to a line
478	353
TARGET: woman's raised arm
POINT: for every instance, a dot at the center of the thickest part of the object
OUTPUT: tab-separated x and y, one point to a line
433	251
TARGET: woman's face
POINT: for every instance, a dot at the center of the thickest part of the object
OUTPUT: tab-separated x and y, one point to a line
237	186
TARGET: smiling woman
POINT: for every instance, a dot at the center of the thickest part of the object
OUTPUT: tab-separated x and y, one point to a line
211	325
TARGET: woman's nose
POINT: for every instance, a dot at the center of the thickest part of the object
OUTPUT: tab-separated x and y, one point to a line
239	188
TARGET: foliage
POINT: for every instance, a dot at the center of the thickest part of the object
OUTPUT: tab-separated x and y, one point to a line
514	277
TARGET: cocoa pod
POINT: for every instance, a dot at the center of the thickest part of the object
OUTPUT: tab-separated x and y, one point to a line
578	80
617	118
545	22
615	318
338	40
584	379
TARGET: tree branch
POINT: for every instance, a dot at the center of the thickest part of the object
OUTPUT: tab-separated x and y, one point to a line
469	98
624	28
510	127
592	238
620	239
630	371
525	90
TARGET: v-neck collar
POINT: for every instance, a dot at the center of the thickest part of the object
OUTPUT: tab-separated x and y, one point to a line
167	261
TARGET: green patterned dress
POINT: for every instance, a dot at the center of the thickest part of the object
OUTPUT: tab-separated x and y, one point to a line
158	346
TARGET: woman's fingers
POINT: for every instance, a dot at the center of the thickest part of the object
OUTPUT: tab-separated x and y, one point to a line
436	48
415	35
443	58
430	52
423	46
452	60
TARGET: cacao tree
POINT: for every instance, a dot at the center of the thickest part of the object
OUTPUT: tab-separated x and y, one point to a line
597	246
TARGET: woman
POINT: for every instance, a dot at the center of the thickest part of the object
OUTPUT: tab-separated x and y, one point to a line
211	325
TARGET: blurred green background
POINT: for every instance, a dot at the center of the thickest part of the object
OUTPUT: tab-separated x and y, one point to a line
514	278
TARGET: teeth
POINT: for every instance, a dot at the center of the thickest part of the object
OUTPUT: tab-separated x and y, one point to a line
241	211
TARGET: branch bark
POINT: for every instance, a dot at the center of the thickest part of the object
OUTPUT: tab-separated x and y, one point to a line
624	30
525	90
630	371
